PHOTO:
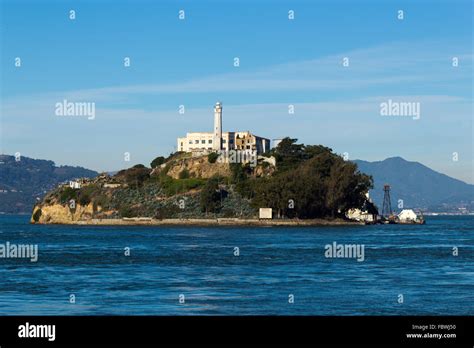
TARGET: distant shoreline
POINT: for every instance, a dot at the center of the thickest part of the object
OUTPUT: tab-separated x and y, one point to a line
208	222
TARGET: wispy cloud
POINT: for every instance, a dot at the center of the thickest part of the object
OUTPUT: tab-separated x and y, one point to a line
348	119
424	64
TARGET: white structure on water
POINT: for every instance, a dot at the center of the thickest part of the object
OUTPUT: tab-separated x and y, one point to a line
218	140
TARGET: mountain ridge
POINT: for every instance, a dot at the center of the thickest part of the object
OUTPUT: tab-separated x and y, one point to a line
417	185
25	180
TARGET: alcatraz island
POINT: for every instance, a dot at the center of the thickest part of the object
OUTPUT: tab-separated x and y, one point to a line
216	178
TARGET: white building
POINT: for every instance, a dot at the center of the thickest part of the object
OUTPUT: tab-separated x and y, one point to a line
361	214
74	184
218	140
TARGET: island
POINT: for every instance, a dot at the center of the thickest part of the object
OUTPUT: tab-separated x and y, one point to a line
298	184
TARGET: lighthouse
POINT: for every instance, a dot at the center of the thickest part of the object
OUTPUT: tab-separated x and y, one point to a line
202	143
217	137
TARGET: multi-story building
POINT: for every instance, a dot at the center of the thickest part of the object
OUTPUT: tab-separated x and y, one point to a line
218	140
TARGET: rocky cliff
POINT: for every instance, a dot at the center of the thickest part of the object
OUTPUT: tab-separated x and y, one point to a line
198	167
170	191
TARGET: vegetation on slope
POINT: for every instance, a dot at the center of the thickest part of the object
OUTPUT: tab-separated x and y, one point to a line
308	182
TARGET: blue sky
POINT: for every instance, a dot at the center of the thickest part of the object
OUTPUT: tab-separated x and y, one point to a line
190	62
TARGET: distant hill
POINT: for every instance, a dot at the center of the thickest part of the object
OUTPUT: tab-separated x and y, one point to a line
23	181
418	185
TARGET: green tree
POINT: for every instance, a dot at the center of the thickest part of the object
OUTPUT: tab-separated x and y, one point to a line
84	198
67	194
136	176
323	185
288	154
212	157
240	178
210	196
158	161
346	187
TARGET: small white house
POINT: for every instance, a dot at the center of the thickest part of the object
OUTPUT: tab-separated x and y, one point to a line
265	213
74	185
407	215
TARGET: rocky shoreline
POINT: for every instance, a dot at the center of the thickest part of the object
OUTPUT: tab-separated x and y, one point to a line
207	222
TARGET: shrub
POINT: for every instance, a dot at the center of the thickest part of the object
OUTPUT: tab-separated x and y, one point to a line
157	162
166	212
67	194
212	157
99	201
172	186
126	211
84	198
184	174
136	176
175	155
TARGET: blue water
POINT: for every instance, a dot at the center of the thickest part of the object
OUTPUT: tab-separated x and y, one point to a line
199	262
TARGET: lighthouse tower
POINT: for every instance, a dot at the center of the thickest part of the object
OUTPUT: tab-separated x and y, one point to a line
217	138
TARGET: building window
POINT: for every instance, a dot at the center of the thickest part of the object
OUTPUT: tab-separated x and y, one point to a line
248	147
223	141
190	141
210	141
231	141
196	141
203	141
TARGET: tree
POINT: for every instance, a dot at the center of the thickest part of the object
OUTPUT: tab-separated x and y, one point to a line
322	185
346	187
158	161
136	176
311	151
243	184
210	196
288	154
84	198
212	157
